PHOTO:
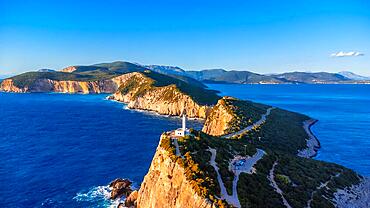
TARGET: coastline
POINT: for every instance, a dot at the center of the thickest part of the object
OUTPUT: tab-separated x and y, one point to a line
354	196
313	143
151	112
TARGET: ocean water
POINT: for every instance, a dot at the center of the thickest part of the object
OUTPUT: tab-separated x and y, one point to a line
343	112
59	150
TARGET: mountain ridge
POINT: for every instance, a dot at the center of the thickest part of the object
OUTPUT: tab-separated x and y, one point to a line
217	75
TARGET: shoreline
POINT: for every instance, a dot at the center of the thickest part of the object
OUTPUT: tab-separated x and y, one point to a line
313	143
151	112
354	196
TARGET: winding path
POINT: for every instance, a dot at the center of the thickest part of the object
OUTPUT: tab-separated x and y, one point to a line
250	127
177	148
246	168
322	185
273	183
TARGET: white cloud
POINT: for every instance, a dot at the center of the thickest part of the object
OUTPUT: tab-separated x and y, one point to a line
347	54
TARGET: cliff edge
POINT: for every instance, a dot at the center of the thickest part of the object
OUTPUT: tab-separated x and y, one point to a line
165	185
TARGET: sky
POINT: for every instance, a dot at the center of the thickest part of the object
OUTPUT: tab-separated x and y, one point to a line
259	36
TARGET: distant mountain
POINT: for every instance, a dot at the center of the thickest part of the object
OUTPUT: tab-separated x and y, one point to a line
45	70
175	72
310	78
353	76
239	77
91	73
109	70
166	69
247	77
3	76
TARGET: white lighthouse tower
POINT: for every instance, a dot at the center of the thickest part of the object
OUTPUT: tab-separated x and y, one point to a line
183	130
183	122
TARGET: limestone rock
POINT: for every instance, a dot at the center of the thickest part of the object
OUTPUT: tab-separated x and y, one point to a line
120	187
218	121
165	185
165	100
131	199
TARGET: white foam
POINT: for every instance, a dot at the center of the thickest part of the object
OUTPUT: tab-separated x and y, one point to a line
99	196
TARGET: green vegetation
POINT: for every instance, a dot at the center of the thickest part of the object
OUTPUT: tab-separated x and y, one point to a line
306	175
105	71
198	172
254	190
283	132
155	80
281	136
244	112
197	147
28	78
82	73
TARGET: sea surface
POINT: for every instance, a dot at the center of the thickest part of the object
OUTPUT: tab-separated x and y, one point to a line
61	150
343	112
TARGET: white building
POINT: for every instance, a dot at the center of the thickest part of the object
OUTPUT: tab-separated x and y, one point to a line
182	131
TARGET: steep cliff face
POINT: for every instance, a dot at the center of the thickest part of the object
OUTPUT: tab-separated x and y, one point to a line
232	115
165	185
69	69
219	119
138	92
69	86
7	85
48	85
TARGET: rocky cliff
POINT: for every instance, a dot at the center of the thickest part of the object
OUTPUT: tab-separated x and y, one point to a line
165	185
139	92
7	85
145	90
232	115
219	119
69	69
65	86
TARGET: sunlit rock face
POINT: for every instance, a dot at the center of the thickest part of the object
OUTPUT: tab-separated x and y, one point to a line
218	120
166	100
165	185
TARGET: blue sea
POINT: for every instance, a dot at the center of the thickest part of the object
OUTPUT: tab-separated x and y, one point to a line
61	150
343	112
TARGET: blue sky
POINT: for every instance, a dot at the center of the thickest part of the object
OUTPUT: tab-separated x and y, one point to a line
260	36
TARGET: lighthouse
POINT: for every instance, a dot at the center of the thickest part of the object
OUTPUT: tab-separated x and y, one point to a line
184	122
183	131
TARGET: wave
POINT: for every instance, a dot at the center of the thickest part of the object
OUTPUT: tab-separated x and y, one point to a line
98	197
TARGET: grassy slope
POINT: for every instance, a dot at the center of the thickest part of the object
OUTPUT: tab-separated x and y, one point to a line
104	71
245	113
281	137
199	94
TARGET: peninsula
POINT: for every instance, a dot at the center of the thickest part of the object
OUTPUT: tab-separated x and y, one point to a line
246	155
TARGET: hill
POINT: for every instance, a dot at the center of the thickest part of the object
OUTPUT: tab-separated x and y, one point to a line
353	76
311	78
257	167
164	94
135	85
238	77
248	77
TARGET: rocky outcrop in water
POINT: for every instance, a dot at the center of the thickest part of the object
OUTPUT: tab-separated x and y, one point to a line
120	187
